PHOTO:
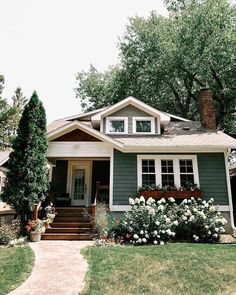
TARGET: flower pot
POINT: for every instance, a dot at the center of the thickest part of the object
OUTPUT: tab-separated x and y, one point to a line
35	237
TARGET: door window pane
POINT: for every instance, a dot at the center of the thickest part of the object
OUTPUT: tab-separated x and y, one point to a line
79	184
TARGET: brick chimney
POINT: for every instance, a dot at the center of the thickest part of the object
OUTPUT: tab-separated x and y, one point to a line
206	108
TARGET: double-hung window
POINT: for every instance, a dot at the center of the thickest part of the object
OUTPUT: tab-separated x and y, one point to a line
167	173
148	172
171	170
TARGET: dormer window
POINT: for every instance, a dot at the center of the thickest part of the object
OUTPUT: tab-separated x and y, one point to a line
143	125
117	125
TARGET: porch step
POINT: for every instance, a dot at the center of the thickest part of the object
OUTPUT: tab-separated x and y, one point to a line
73	209
71	224
66	236
74	230
71	219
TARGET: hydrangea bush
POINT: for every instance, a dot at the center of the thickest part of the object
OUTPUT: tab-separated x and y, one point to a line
158	222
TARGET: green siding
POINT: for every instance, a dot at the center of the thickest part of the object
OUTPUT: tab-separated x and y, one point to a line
59	177
125	177
212	177
211	169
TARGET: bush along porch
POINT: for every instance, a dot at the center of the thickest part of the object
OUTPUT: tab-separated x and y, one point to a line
158	222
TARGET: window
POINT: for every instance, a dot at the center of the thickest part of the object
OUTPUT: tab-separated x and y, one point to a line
162	170
116	125
167	173
148	172
186	172
143	125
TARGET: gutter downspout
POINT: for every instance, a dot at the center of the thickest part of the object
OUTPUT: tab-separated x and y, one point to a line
229	191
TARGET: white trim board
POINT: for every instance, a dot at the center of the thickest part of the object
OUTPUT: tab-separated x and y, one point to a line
111	180
229	188
120	208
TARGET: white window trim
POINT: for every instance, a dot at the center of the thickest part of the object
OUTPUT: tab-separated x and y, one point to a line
151	119
109	119
175	159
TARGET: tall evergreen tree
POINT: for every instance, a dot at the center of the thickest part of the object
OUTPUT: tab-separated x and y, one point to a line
27	180
18	103
6	114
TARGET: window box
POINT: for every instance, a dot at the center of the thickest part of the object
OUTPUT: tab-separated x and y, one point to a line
150	194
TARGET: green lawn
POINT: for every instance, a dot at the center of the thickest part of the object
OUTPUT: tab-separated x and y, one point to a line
16	264
162	270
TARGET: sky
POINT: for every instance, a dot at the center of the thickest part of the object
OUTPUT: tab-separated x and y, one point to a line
44	43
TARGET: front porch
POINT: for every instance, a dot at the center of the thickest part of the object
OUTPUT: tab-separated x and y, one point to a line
75	182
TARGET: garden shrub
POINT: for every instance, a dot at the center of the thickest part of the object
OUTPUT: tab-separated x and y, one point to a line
104	222
9	231
157	222
199	220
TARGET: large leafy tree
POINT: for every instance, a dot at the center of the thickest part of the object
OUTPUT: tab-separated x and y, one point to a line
165	61
27	179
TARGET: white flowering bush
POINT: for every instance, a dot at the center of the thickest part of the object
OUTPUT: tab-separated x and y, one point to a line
158	222
199	220
149	222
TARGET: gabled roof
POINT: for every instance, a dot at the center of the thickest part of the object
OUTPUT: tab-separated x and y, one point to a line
164	118
83	115
176	117
76	124
4	156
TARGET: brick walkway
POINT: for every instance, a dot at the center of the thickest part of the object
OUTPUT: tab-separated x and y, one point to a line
59	269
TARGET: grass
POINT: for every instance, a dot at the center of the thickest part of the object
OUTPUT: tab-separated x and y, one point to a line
16	264
173	269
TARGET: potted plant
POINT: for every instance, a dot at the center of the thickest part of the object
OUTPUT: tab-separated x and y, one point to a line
190	190
35	229
50	213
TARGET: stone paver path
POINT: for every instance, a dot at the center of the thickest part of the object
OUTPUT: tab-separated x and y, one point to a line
59	269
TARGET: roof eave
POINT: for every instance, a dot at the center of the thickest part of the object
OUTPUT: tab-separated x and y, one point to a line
155	149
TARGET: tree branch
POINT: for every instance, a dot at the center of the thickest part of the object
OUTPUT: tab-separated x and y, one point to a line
193	76
177	97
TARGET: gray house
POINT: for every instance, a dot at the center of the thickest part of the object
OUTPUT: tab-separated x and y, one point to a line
130	145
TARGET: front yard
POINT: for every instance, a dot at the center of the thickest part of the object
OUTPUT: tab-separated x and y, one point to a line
16	264
173	269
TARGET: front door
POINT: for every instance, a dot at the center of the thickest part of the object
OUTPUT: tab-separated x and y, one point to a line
80	184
